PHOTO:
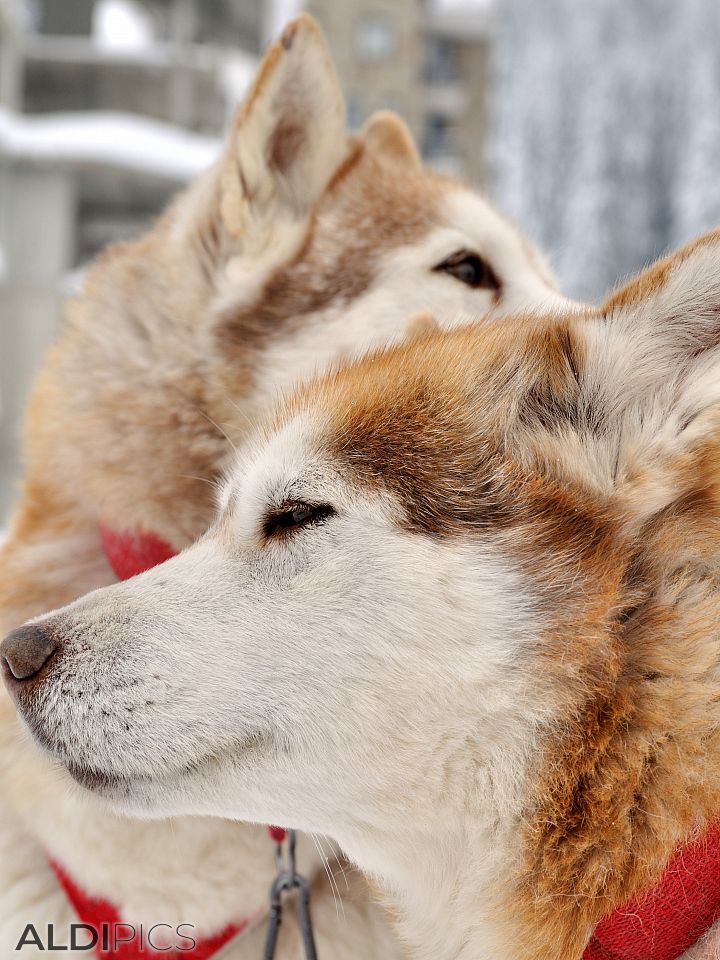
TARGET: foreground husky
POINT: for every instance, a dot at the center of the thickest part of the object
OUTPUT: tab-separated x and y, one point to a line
459	610
300	246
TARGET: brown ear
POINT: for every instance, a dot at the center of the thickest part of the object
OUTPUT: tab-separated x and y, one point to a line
287	139
386	134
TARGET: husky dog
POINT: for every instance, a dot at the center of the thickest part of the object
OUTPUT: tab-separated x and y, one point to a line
302	245
459	610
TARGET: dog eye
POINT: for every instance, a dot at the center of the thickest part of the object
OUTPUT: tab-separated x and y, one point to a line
470	269
296	516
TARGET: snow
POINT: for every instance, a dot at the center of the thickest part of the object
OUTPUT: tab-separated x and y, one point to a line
607	140
453	6
121	25
120	140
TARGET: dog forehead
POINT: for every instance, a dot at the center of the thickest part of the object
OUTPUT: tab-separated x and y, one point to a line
400	423
441	422
370	210
436	427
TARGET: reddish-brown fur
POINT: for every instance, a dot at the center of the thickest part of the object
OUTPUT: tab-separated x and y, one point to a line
630	657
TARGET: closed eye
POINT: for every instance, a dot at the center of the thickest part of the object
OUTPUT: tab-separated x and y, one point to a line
293	517
470	268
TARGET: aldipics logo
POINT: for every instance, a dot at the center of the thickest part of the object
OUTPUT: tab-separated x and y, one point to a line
155	940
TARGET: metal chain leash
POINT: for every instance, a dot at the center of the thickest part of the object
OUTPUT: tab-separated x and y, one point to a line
287	880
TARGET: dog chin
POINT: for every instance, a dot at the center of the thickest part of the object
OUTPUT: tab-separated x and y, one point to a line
164	793
139	796
96	781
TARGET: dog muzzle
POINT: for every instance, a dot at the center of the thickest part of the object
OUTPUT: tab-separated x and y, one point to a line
117	938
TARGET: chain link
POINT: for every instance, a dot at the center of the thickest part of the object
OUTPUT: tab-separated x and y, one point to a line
287	880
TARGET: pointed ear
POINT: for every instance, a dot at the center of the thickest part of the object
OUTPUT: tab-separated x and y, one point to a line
385	135
660	333
288	138
650	390
625	399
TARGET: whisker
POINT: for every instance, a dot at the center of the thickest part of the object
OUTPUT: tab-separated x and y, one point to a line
337	898
189	476
248	421
218	428
344	873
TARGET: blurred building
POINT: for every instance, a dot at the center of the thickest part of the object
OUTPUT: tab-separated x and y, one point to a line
426	59
168	61
108	106
188	63
454	93
106	109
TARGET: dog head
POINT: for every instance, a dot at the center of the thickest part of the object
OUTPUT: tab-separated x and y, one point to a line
303	244
466	580
328	232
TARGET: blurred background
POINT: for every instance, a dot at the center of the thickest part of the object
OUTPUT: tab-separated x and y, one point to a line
594	123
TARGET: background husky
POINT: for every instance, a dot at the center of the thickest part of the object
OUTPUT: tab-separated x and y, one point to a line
459	610
301	245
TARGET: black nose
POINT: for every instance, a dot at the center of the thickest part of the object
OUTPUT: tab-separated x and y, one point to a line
25	651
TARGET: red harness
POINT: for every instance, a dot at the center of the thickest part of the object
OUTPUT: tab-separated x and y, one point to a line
660	925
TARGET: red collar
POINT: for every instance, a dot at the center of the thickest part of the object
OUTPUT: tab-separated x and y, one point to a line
105	919
660	925
131	553
667	920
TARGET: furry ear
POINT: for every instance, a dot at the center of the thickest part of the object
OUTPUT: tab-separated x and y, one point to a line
288	138
650	387
386	135
626	399
660	335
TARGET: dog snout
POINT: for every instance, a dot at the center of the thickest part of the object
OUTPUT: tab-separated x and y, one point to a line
26	652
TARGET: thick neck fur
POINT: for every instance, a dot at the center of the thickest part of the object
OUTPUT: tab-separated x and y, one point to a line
445	881
630	767
626	770
444	892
